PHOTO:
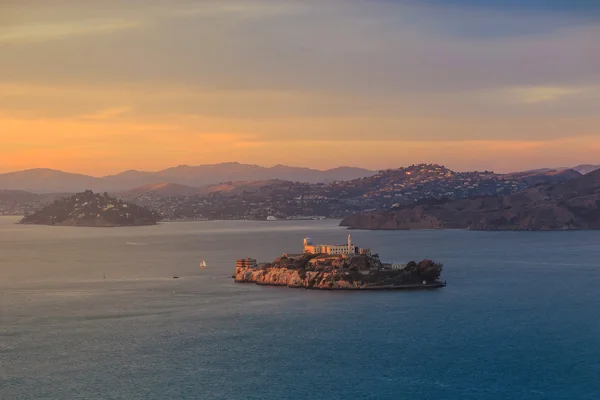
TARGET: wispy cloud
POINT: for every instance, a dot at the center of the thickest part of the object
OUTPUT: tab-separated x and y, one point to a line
245	9
108	114
542	94
378	73
46	32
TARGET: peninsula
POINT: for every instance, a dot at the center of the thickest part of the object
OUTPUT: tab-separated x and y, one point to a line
568	205
339	267
92	210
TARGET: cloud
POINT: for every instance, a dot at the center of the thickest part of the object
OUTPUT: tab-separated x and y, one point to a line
19	34
377	73
232	8
109	114
542	94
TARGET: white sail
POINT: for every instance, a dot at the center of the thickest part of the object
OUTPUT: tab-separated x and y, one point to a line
203	264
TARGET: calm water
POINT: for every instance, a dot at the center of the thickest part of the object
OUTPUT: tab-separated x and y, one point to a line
520	318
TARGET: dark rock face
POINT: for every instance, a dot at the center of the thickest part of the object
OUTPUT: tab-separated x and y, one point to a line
574	204
324	272
93	210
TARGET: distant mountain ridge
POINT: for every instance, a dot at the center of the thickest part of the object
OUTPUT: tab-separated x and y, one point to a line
202	175
42	180
45	180
544	176
585	169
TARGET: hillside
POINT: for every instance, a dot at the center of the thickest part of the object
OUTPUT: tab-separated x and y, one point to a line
49	181
52	181
532	178
573	204
586	168
382	191
236	188
203	175
171	179
159	190
93	210
20	202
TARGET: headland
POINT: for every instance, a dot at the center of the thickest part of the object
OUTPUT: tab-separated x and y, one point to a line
339	267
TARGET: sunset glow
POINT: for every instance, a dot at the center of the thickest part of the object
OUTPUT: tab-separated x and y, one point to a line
100	87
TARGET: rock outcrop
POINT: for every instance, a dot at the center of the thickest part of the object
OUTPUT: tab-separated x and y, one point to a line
361	272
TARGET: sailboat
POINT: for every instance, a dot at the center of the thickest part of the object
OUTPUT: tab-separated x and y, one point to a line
203	264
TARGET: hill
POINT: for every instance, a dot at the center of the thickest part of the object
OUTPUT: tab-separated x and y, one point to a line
20	202
93	210
168	190
382	191
572	204
236	188
159	190
43	180
53	181
258	199
203	175
532	178
586	168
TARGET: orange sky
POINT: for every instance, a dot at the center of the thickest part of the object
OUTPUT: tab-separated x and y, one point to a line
97	88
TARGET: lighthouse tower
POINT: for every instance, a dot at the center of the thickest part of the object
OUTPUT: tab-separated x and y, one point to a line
349	244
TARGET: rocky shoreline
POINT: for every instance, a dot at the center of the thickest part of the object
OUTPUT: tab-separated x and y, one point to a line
326	272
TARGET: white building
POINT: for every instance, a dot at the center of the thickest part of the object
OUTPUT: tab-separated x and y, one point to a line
334	249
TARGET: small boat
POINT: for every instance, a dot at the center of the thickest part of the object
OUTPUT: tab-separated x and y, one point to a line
203	264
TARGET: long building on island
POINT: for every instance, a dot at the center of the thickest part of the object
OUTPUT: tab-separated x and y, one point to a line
347	249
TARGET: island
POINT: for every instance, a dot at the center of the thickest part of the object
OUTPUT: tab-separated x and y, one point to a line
91	209
339	267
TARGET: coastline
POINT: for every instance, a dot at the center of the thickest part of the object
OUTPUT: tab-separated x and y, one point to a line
412	287
339	267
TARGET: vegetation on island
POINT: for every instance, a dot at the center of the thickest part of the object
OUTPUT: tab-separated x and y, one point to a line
323	271
92	209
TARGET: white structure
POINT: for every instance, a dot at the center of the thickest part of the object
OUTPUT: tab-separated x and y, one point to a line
333	249
271	218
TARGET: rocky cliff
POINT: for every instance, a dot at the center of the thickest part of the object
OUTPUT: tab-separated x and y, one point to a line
569	205
337	273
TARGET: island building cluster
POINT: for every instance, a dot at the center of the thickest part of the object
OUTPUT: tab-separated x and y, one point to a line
330	251
348	249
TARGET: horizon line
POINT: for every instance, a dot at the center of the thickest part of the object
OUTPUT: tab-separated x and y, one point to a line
286	166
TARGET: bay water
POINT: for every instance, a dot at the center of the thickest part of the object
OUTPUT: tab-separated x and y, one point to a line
94	313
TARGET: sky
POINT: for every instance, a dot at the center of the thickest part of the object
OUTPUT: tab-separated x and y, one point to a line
102	86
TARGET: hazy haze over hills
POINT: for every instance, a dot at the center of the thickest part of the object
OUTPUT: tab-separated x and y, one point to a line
49	181
43	180
176	190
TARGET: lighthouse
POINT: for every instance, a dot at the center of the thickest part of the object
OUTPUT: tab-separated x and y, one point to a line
349	244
